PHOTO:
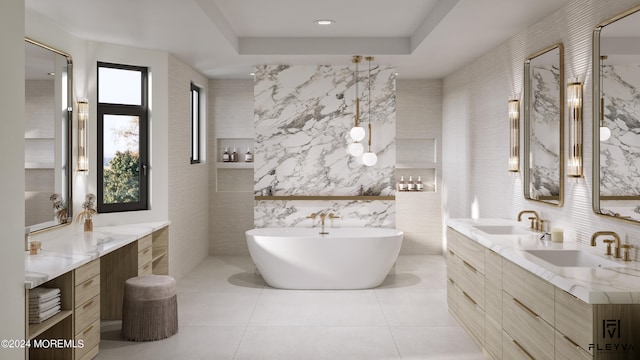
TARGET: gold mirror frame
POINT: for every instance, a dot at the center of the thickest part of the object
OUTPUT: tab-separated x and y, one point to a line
65	147
552	199
596	62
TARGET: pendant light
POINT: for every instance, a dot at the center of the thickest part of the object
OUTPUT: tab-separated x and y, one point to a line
369	158
357	132
605	132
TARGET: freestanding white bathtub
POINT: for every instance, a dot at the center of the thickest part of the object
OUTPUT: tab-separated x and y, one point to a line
345	258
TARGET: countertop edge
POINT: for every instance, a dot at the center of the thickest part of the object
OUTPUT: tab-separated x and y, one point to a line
589	293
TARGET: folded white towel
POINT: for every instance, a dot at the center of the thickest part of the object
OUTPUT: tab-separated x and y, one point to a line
42	307
44	316
41	294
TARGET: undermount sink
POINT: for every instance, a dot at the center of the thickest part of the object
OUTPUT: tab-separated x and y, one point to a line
502	230
572	258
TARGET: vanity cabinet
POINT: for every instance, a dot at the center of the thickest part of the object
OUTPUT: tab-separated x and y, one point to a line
87	309
467	283
522	316
91	292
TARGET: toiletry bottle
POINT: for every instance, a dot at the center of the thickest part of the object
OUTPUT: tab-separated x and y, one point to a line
248	156
226	157
234	155
402	186
410	185
419	184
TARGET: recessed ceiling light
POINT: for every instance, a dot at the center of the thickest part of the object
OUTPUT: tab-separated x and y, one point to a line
324	22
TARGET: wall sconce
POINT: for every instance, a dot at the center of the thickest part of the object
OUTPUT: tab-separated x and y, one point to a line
514	135
574	102
83	120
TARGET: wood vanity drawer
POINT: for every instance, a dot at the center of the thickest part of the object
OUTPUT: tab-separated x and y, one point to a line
146	269
145	242
87	271
574	318
86	314
493	337
471	316
87	290
530	290
493	301
512	349
452	296
471	281
452	239
452	265
90	354
145	256
493	268
529	330
471	252
90	337
567	349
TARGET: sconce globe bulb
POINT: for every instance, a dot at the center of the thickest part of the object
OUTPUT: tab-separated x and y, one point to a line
357	133
356	149
369	158
605	133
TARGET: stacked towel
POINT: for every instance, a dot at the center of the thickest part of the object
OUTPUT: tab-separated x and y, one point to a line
43	304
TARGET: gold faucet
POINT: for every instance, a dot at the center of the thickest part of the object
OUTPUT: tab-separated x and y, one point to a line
333	216
322	217
616	238
534	220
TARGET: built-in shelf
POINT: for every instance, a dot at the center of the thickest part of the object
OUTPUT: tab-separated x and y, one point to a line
39	165
325	197
235	165
158	256
37	329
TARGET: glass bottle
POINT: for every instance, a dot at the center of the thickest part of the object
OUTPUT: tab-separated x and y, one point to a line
402	186
411	186
226	157
234	155
248	156
419	184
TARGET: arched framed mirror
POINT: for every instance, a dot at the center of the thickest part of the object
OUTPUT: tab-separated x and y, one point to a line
616	116
47	157
544	126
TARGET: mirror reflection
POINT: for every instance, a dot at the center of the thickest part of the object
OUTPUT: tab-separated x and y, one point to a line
617	117
47	153
543	125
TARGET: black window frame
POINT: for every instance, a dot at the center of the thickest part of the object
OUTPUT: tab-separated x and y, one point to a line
142	112
196	158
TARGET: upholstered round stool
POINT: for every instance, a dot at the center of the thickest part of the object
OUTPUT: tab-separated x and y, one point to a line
150	308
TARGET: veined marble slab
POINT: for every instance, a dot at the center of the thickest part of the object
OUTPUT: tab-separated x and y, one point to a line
615	285
303	115
356	213
68	252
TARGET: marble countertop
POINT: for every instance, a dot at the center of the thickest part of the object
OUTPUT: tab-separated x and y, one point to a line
67	252
602	285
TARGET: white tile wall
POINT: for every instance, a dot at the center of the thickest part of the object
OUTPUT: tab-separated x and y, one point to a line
475	127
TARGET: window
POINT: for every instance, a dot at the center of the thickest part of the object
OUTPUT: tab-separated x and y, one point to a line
122	138
195	124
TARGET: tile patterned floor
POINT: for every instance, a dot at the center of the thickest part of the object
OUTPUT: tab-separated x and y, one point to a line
228	312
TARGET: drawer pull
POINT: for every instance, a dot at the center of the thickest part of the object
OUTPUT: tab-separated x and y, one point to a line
571	342
452	253
87	330
453	282
469	297
146	266
522	349
88	283
469	266
146	250
85	306
526	308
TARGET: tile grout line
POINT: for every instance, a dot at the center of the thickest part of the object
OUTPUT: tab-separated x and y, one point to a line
246	327
375	292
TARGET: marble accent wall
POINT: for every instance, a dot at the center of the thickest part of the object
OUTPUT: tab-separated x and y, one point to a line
545	142
620	155
302	119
